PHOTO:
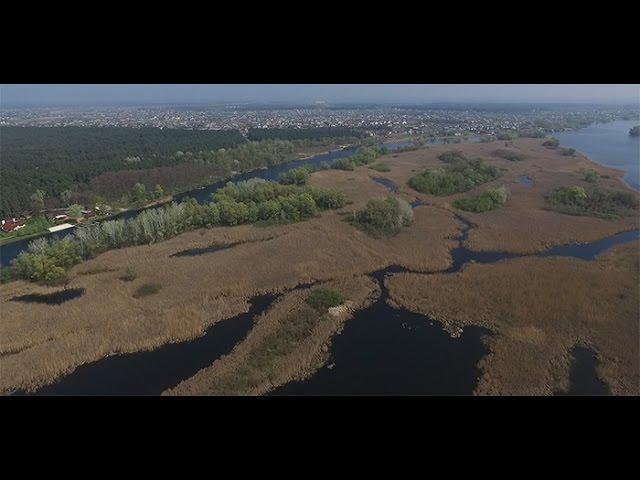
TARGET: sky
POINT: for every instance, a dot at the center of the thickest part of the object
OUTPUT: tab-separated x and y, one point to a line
138	94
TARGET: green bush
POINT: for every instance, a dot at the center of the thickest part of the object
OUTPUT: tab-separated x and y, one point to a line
596	202
551	143
384	216
296	176
129	275
344	164
380	167
147	289
568	152
507	135
323	298
458	177
591	176
509	155
486	201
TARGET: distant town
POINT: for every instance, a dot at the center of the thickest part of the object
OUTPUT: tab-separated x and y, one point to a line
434	120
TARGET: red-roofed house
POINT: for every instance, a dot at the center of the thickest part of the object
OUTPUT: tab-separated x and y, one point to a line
12	225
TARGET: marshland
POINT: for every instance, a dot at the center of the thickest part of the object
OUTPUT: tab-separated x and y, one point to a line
467	281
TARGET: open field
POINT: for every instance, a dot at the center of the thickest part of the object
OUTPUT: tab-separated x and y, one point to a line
40	342
539	309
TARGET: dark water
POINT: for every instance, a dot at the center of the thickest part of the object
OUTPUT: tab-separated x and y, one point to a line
386	183
608	144
525	180
152	372
55	298
589	251
383	350
583	378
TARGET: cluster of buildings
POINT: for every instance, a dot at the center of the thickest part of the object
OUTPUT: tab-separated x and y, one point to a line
407	119
58	216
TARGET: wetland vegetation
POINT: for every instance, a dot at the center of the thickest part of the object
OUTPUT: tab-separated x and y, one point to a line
596	201
382	217
460	174
486	201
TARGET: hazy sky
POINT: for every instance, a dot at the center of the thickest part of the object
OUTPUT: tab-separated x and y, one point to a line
94	94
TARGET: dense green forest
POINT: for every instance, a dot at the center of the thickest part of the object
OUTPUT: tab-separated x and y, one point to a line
54	159
126	167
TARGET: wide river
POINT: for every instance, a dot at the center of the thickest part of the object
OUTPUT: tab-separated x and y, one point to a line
608	144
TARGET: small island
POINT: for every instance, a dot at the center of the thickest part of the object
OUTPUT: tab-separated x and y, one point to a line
635	131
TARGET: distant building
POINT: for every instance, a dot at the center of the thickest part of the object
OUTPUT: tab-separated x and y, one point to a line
12	225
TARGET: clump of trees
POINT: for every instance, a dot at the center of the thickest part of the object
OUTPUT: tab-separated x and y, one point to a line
252	201
551	143
568	152
486	201
509	155
364	156
596	202
322	299
460	176
384	216
452	156
296	176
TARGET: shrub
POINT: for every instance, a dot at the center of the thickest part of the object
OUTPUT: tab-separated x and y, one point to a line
509	155
323	298
146	290
507	135
591	176
344	164
486	201
596	202
380	167
454	178
568	152
551	143
130	275
384	216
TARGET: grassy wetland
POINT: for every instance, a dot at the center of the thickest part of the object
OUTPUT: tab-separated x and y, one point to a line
142	296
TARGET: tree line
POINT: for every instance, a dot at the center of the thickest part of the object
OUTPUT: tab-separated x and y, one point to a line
255	200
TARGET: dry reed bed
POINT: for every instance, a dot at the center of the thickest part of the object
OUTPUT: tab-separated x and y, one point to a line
522	225
230	375
196	291
539	308
39	342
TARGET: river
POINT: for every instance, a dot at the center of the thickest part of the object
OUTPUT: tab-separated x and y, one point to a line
608	144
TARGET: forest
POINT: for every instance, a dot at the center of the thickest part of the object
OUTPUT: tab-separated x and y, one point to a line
48	167
54	159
